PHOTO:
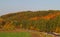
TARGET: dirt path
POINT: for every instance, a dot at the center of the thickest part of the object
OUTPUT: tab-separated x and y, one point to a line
35	35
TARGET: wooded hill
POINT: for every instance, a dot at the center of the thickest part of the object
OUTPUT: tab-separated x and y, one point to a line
45	21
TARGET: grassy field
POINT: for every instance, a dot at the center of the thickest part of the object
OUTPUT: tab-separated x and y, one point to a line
15	34
25	34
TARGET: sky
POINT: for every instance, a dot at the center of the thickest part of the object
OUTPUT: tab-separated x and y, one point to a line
10	6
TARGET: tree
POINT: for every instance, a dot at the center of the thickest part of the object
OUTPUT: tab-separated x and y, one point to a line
51	25
42	25
58	24
25	24
16	23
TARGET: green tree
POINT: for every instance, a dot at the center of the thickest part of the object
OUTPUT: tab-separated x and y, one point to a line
25	24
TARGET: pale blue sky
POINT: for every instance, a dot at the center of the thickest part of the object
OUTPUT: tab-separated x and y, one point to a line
7	6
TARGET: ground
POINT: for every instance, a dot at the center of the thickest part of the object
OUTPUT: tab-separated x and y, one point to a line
23	33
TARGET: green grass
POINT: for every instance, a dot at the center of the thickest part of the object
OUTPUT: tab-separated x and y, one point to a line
15	34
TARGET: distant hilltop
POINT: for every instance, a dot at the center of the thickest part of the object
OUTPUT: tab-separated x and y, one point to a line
47	21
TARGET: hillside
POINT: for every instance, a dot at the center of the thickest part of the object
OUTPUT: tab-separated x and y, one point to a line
45	21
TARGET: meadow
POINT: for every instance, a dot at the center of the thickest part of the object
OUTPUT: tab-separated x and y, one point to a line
15	34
